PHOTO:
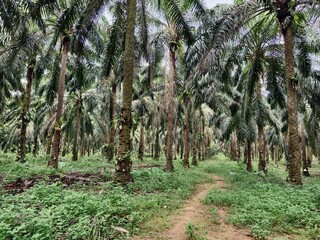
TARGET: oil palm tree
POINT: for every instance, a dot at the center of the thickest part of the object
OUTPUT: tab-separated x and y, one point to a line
283	12
86	12
112	71
123	162
286	11
175	29
27	29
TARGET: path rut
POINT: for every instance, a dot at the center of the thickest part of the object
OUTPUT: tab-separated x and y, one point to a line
196	213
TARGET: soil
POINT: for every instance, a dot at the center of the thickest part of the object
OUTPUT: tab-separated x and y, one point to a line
21	185
198	214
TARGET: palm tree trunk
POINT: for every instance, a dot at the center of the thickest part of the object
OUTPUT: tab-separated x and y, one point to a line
208	146
29	146
305	171
245	152
238	151
202	142
276	154
49	134
176	141
49	143
178	149
181	151
199	148
82	147
123	164
262	161
152	149
294	148
112	130
141	140
249	161
24	113
194	148
255	150
57	128
64	147
149	143
88	151
186	133
157	144
75	149
1	101
234	146
169	165
309	158
35	141
266	152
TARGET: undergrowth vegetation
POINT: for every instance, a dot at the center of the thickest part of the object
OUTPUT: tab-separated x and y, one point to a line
194	232
102	211
38	166
267	204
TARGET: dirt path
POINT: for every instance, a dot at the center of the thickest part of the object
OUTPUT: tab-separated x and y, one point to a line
198	214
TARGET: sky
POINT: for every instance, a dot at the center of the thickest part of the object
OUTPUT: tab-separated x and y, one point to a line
212	3
208	3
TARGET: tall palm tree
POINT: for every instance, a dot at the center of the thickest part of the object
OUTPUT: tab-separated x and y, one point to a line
65	42
285	19
286	11
186	131
87	12
172	71
176	29
25	111
26	29
123	163
112	70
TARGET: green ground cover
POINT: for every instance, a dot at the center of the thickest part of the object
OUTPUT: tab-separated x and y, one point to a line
267	204
101	211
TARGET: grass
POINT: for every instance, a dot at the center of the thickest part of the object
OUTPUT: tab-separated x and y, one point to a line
52	211
37	166
195	232
267	204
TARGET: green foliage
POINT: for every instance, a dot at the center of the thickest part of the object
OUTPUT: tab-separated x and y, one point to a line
314	234
37	166
192	232
11	170
267	204
49	212
215	215
104	211
154	179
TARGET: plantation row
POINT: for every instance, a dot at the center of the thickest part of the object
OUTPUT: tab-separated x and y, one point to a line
113	112
167	77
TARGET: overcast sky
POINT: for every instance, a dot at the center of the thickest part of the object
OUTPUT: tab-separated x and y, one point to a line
208	3
212	3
